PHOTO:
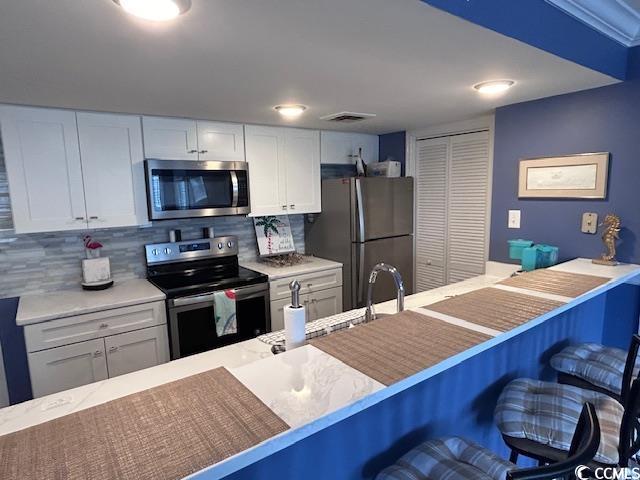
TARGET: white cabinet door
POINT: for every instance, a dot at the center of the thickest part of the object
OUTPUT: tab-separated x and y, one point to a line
220	141
338	147
324	303
170	138
62	368
370	145
277	313
136	350
267	170
43	166
302	157
113	169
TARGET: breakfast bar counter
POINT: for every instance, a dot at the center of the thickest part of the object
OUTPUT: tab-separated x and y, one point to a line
338	417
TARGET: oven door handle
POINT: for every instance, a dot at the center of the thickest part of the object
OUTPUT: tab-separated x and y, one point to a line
241	293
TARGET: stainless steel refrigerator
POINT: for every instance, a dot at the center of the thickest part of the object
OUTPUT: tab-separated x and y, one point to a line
365	221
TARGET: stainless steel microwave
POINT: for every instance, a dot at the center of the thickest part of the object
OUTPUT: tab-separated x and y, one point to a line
187	189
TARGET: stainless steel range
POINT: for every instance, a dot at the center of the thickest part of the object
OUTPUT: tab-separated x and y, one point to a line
190	273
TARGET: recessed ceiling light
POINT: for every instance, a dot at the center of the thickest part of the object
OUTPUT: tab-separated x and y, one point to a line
156	10
494	86
290	111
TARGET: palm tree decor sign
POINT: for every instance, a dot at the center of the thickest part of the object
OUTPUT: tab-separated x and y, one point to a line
274	235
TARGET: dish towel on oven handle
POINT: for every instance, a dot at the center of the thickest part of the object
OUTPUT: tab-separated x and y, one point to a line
225	312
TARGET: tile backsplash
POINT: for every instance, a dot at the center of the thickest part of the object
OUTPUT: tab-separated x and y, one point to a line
46	262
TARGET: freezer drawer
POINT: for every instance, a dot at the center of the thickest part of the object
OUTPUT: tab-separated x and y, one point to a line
396	251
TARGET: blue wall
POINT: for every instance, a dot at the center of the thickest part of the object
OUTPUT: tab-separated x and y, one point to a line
562	35
393	145
14	353
602	119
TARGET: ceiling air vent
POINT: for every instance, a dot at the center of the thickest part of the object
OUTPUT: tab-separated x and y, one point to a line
347	117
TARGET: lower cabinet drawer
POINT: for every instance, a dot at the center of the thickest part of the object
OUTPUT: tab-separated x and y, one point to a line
63	331
71	366
309	282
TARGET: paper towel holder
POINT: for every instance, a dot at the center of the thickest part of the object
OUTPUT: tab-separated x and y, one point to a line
294	286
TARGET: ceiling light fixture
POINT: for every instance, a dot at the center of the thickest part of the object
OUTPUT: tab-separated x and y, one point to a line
155	10
290	111
494	86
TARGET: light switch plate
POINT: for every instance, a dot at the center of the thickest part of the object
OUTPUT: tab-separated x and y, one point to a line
514	219
589	223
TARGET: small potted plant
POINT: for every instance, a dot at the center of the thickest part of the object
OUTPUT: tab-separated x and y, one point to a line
92	248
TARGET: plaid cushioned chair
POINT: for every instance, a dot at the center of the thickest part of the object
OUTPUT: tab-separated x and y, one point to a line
459	459
599	368
537	419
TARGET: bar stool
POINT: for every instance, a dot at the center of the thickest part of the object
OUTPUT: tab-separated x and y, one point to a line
536	420
456	458
603	369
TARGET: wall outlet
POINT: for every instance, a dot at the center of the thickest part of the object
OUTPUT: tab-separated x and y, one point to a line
514	219
589	223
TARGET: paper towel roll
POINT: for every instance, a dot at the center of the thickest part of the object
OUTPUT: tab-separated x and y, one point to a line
294	322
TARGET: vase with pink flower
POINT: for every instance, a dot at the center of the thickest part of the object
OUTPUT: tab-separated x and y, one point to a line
91	247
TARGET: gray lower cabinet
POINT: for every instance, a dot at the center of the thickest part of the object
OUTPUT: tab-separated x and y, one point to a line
318	304
66	367
136	350
125	340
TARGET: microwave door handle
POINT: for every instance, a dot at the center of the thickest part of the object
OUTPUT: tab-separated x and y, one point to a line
234	188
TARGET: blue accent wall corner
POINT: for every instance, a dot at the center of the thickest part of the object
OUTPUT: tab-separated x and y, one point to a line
604	119
14	353
394	145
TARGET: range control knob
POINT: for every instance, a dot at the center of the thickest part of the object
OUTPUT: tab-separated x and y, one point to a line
155	252
230	244
167	251
220	246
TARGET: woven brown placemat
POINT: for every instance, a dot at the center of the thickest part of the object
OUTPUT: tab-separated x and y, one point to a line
166	432
494	308
396	347
559	283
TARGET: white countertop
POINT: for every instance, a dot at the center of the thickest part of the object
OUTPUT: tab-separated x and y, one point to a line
65	303
310	265
306	387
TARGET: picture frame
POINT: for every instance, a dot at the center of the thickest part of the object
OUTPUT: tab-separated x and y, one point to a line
579	176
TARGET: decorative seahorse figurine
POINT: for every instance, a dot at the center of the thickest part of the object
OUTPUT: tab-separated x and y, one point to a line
612	225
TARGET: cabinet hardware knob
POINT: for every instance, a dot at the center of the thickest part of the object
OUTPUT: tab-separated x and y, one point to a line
192	151
97	353
104	325
284	207
79	218
113	349
93	218
292	206
204	151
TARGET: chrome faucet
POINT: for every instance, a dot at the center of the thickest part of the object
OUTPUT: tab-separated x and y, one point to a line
383	267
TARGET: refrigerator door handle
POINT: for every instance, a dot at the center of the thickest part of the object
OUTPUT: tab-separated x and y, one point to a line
360	208
361	274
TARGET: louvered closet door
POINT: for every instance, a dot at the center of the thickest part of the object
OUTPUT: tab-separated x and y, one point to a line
467	205
431	213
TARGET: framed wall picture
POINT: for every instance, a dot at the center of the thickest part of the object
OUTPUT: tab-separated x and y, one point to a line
274	235
583	175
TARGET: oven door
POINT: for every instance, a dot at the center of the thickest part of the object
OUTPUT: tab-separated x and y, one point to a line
186	189
192	327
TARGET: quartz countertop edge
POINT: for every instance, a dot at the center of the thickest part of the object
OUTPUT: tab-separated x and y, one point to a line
36	308
310	265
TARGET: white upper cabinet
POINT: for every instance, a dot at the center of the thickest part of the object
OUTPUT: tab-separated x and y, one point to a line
71	171
267	174
284	170
42	158
186	139
220	141
113	169
339	147
302	159
170	138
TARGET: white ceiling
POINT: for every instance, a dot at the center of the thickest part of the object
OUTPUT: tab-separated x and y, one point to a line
618	19
233	60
